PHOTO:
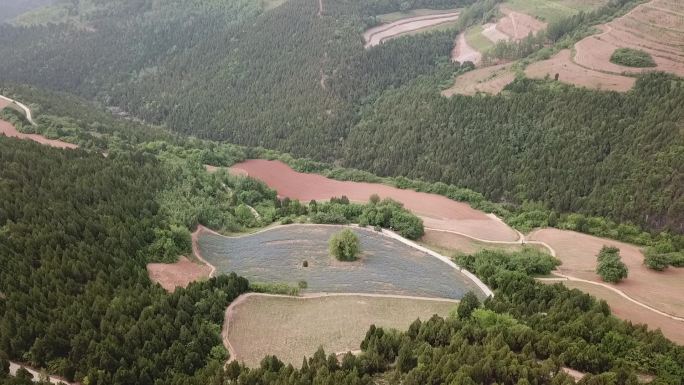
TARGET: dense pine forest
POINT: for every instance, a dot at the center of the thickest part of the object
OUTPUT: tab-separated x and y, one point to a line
284	77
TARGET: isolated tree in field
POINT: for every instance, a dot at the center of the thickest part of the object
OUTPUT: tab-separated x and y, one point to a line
468	303
374	199
610	267
344	245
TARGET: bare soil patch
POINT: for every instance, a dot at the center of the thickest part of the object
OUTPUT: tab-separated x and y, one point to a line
492	32
627	310
179	274
577	252
572	73
294	327
384	32
10	131
489	80
435	210
450	243
517	25
656	27
463	52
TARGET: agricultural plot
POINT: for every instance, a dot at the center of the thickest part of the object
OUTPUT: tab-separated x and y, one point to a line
624	309
656	27
489	80
570	72
394	16
294	327
385	265
577	252
436	211
553	10
450	243
517	25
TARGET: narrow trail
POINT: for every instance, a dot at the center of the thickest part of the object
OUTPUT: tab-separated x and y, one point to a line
231	310
320	8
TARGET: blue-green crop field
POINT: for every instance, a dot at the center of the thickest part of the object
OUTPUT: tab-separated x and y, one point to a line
385	266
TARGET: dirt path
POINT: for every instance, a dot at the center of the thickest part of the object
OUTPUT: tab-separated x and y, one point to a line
231	310
14	367
320	8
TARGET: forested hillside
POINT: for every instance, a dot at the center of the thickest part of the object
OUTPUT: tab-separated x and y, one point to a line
290	79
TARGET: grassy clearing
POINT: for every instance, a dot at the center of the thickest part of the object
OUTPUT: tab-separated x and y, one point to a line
477	40
553	10
292	328
270	4
394	16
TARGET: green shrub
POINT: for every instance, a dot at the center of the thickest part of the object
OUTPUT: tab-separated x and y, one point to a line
610	267
344	245
632	58
655	261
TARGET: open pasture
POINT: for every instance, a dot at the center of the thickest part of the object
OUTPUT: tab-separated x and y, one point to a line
436	211
385	266
553	10
577	252
294	327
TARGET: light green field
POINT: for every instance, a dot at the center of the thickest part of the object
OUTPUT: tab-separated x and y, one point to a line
270	4
394	16
553	10
477	40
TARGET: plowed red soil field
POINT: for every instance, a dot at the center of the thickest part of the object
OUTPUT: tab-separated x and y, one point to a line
518	25
490	80
436	211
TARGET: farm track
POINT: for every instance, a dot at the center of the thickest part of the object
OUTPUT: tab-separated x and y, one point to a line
27	111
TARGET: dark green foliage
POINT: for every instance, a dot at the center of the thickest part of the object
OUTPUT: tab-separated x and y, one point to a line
468	304
344	245
610	266
632	58
529	261
77	231
658	262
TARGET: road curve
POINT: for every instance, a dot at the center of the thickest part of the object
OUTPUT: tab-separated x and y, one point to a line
27	111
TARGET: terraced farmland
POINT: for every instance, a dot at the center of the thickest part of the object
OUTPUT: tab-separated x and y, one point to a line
386	266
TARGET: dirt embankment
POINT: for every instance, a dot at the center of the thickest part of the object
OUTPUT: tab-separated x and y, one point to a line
436	211
463	52
518	26
384	32
179	274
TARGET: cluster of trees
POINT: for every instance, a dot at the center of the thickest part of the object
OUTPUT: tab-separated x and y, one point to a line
77	232
609	265
344	245
301	83
632	58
